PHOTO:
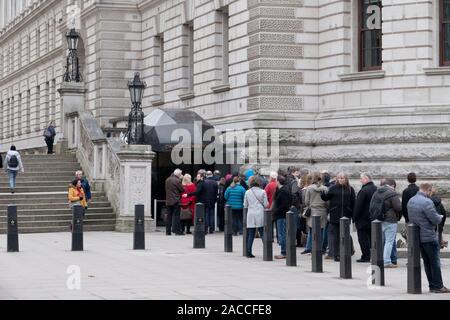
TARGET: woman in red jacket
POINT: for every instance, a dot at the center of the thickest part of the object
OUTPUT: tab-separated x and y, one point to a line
187	204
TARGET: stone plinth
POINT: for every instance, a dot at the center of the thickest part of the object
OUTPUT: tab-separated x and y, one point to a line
135	185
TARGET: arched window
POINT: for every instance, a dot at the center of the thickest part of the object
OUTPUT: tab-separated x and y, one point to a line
369	12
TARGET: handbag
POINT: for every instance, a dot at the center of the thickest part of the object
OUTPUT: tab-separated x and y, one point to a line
307	212
185	214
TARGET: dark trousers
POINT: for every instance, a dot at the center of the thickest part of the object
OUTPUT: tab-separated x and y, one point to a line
432	264
221	216
335	234
173	219
238	217
251	232
364	239
49	143
186	225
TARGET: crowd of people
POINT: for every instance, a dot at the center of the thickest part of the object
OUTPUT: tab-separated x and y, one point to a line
308	194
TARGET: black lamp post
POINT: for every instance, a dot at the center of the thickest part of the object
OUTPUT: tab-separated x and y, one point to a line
72	73
136	116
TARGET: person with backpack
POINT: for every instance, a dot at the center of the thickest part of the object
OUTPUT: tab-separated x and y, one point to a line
13	163
422	212
49	137
385	206
255	200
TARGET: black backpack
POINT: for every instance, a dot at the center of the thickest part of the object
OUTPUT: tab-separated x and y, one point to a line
377	208
13	162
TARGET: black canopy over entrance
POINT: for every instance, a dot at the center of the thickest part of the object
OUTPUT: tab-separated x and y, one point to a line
159	126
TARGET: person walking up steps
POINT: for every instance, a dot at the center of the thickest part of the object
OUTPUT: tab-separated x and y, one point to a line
12	165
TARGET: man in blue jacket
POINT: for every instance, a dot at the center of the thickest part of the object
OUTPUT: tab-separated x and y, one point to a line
421	211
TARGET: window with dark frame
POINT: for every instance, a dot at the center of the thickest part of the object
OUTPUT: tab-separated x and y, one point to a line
370	32
444	26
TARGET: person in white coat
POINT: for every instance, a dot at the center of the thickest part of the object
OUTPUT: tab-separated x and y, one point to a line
13	163
255	200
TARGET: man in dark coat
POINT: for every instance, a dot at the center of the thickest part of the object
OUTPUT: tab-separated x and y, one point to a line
174	189
281	203
361	215
408	193
211	193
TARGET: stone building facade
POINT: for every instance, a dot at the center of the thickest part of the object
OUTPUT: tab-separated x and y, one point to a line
353	85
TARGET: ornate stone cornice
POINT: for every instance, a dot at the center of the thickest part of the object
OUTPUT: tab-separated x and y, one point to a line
29	14
32	66
114	6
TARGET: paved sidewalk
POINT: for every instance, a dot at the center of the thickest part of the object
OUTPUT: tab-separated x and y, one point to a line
171	269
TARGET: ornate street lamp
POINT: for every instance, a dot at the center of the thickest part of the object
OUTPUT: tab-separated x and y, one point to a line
136	117
72	73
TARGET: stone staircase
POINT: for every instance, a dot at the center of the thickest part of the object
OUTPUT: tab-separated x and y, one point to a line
41	197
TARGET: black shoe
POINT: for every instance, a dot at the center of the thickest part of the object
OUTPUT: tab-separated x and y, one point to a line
363	260
168	234
211	231
306	252
250	256
188	232
337	259
179	234
235	234
441	290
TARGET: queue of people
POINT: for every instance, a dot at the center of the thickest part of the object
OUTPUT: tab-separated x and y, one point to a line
310	194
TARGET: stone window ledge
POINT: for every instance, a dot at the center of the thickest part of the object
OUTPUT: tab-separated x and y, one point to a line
436	71
157	103
362	75
186	96
221	88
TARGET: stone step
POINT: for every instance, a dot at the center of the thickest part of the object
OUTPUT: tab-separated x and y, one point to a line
44	202
52	205
60	184
38	188
63	210
44	195
58	223
401	226
402	253
44	173
50	157
63	228
66	217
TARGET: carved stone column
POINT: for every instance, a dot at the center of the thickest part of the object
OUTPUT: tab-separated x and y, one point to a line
135	185
72	100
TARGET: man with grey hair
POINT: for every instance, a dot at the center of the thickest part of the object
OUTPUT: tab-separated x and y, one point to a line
85	185
361	215
174	189
422	212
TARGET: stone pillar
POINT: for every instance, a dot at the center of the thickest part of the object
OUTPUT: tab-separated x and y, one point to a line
135	185
72	100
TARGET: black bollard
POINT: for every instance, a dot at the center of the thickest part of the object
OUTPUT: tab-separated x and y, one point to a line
291	233
139	229
199	226
244	234
376	252
346	249
228	233
13	231
413	268
316	253
268	236
77	228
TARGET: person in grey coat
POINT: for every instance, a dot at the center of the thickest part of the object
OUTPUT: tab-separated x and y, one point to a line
13	164
318	206
422	212
255	200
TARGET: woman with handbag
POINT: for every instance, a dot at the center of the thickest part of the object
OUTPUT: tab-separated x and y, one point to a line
187	204
314	205
255	200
